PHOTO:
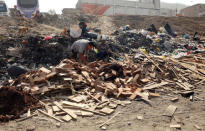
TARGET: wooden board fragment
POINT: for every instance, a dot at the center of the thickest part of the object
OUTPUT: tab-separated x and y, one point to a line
73	104
66	118
155	86
107	110
55	109
142	95
109	119
69	112
85	114
50	111
178	126
43	69
183	86
49	115
113	105
170	110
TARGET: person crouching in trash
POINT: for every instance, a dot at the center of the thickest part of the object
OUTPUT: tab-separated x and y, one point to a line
81	48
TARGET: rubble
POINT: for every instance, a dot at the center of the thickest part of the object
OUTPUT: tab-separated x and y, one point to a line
101	83
141	63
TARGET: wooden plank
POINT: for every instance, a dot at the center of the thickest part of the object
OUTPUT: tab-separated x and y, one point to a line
170	110
155	86
55	108
134	95
87	76
25	118
154	63
92	96
85	113
43	69
52	74
49	115
109	119
69	112
50	111
183	86
143	96
110	86
78	99
178	126
66	118
73	104
84	109
107	110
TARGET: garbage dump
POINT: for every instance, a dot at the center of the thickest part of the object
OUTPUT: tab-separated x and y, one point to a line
140	63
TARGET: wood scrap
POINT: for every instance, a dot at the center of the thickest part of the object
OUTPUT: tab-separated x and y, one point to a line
84	109
170	110
110	119
49	115
183	86
154	63
178	126
25	118
66	118
155	86
69	112
107	110
92	96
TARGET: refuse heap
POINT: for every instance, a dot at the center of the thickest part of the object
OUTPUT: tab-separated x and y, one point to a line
161	43
99	87
32	52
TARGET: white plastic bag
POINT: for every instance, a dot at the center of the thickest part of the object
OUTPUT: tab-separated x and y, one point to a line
75	31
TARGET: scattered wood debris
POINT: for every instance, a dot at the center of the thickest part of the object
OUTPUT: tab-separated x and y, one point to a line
96	86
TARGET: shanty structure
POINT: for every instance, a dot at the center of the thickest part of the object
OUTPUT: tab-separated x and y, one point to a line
194	11
120	7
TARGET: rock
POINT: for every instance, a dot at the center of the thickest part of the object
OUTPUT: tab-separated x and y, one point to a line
31	128
58	124
103	128
140	117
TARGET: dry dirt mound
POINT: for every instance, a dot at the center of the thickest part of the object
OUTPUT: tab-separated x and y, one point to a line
110	23
48	24
14	103
179	24
11	25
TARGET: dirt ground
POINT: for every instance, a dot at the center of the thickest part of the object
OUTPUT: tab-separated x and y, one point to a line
190	113
48	24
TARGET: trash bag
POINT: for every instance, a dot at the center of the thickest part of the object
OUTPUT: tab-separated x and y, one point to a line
75	32
169	30
152	28
16	71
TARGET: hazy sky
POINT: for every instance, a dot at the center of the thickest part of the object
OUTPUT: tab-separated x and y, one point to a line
58	5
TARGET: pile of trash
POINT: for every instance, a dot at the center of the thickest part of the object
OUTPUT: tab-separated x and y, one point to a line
32	52
162	42
100	87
